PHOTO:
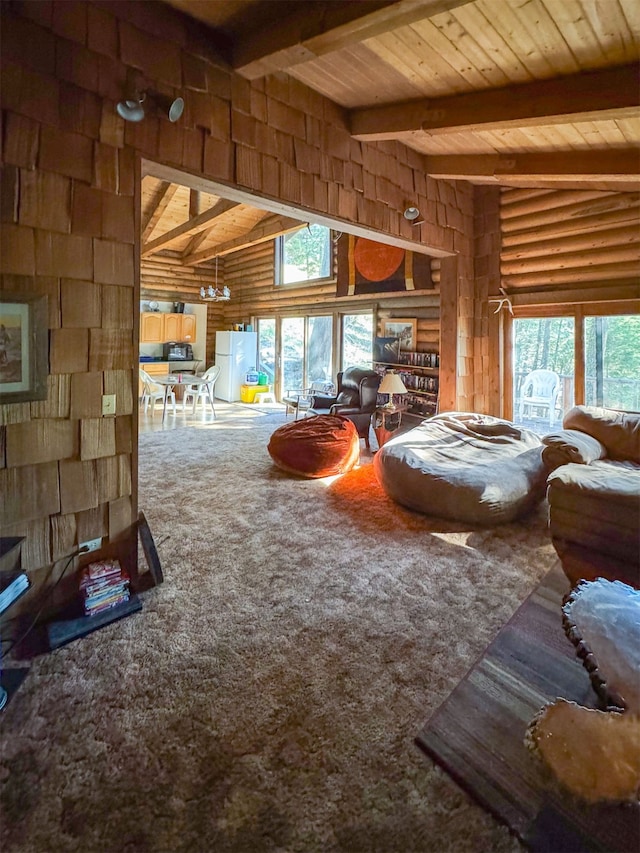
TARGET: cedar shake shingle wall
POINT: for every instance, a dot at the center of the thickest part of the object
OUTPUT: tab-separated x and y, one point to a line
69	226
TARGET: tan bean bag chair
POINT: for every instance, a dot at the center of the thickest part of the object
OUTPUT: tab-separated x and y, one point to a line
465	467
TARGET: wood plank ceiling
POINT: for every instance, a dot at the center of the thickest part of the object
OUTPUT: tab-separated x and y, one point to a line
520	93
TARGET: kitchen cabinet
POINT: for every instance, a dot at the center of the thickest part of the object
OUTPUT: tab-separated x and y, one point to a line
157	327
151	327
173	327
188	328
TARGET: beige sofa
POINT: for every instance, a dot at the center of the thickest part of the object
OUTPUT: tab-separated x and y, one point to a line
594	494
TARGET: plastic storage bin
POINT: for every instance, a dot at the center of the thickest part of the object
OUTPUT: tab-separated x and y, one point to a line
248	392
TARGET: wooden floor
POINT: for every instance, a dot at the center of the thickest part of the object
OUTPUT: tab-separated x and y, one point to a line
477	734
152	422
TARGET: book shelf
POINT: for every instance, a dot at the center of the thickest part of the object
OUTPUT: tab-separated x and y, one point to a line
420	373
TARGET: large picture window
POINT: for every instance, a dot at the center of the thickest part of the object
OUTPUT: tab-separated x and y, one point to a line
357	340
304	256
582	355
612	362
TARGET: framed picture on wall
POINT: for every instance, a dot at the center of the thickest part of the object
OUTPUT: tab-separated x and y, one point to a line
385	350
23	348
404	330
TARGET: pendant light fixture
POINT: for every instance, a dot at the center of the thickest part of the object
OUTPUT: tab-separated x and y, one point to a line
213	293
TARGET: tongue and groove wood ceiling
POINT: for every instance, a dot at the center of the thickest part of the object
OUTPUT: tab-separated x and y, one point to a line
522	93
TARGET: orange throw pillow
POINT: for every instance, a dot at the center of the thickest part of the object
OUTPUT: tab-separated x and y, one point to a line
320	446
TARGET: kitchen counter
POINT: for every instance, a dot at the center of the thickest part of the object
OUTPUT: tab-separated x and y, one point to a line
173	366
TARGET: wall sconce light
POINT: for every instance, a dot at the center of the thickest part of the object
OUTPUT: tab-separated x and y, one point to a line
172	108
132	109
412	215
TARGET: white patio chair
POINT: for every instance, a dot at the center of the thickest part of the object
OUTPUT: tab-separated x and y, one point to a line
301	399
153	391
539	395
198	392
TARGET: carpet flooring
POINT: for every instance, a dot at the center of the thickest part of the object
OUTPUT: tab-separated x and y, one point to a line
268	695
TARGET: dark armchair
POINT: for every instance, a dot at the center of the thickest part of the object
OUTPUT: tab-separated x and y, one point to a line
356	399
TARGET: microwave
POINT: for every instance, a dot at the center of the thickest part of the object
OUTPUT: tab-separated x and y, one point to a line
173	351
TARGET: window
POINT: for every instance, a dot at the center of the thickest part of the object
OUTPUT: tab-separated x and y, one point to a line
612	362
292	356
305	255
357	340
267	347
319	349
554	366
543	374
307	345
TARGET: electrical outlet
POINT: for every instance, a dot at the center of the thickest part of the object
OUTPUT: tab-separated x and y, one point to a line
108	404
91	545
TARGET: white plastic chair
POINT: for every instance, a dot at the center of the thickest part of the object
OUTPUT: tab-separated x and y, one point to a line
540	391
152	392
199	392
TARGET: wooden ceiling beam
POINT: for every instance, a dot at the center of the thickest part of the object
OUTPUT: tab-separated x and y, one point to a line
588	96
268	229
196	241
610	165
318	28
194	203
191	226
161	199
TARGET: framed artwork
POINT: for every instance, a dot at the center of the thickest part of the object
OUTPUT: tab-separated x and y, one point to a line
404	330
385	350
367	267
24	350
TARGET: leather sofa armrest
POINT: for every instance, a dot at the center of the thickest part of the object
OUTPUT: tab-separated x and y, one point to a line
321	401
571	445
343	409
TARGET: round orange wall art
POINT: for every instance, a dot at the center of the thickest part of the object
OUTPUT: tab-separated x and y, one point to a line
376	261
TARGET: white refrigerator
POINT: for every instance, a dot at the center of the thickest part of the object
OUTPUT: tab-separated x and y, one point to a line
236	353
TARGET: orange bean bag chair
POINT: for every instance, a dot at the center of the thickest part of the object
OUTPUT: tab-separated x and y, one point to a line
319	446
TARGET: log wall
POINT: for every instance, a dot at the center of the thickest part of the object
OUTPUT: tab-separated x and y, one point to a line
69	214
251	274
576	246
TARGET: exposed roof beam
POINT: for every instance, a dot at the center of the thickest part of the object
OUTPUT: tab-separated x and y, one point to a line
191	226
162	197
194	203
196	241
579	97
268	229
611	165
319	28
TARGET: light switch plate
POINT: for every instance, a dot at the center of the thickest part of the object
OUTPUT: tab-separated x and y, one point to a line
108	404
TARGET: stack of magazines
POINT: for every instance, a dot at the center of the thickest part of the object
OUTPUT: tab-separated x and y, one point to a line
12	588
103	585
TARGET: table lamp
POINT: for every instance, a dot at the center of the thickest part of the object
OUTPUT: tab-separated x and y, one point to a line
391	384
387	418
